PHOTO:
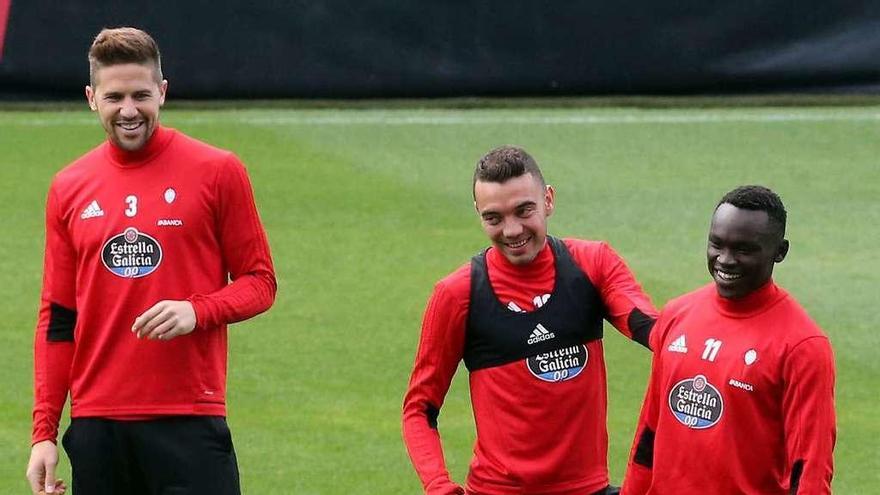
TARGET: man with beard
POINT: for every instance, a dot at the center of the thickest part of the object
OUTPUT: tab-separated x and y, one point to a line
143	235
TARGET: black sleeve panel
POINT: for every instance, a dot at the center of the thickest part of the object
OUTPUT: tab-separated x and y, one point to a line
432	413
645	449
796	471
61	324
640	325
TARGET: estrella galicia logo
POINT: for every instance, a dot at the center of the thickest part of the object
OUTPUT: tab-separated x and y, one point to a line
131	254
560	365
696	403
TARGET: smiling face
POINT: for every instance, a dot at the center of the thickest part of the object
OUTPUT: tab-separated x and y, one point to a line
743	247
514	215
127	98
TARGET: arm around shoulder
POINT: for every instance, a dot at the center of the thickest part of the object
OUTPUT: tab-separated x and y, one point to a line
628	307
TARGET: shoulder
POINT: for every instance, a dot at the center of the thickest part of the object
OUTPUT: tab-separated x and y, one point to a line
599	261
677	309
82	168
200	152
695	298
798	324
592	256
584	247
456	285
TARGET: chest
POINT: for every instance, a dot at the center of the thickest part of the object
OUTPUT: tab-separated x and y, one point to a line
708	362
131	220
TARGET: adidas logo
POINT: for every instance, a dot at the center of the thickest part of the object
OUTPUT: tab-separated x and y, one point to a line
92	211
678	345
540	334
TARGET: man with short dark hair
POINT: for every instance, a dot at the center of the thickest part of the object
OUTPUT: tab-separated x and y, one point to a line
143	235
741	394
526	317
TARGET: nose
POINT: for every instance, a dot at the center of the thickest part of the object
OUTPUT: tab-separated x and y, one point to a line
725	257
512	229
128	109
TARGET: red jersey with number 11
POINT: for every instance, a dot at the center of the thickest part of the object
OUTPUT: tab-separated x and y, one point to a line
740	400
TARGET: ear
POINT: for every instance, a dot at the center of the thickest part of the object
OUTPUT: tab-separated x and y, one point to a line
782	251
549	198
90	97
163	88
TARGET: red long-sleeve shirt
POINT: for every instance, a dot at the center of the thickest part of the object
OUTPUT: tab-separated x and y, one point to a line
174	220
740	399
533	436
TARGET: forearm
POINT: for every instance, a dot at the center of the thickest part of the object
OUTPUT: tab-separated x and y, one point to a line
437	358
53	357
247	296
422	441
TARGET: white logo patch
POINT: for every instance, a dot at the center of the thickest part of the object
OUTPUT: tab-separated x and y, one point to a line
92	211
750	357
170	195
169	222
559	365
678	345
696	403
131	254
743	385
539	301
540	334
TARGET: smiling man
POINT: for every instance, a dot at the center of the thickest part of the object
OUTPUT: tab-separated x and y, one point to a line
741	394
143	235
526	316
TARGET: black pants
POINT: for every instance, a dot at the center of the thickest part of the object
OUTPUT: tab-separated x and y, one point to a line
177	455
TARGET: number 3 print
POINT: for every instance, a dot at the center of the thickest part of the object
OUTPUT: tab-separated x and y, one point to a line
132	202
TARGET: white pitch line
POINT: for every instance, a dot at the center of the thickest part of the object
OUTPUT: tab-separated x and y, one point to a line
443	118
547	119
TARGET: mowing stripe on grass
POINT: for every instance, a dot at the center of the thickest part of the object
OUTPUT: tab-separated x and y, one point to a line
470	117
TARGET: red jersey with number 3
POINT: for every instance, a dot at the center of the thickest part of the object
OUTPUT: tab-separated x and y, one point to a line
124	230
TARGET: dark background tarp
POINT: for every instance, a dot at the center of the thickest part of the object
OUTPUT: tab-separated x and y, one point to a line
373	48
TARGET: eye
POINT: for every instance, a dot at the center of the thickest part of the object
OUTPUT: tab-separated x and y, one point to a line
492	220
526	211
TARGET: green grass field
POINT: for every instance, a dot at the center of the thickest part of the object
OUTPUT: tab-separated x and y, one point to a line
366	209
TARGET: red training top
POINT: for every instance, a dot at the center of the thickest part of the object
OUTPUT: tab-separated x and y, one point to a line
533	436
740	400
174	220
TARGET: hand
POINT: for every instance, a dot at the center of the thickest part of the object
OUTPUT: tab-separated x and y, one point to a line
165	320
41	469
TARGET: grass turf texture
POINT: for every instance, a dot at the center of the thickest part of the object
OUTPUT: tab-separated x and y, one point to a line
366	209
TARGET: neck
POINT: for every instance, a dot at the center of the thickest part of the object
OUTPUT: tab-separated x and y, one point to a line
153	145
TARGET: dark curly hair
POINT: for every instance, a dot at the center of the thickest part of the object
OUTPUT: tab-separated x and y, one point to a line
758	198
